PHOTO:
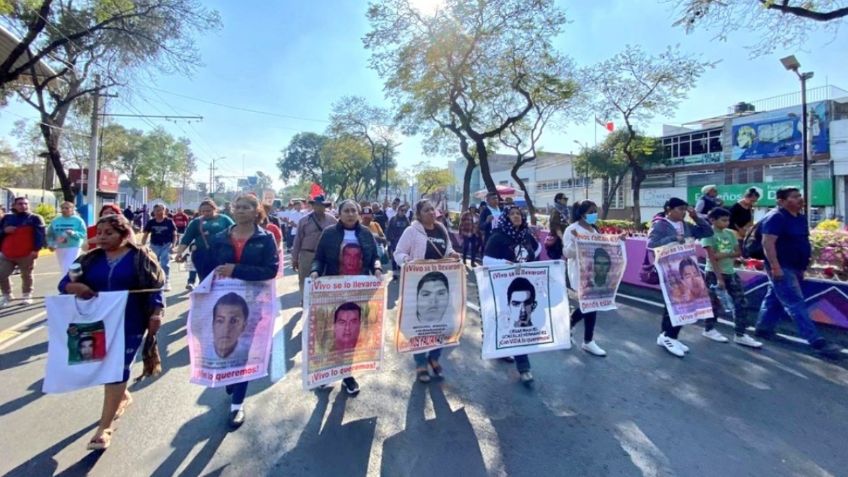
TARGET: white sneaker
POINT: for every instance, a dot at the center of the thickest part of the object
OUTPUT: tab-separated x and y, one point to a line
27	299
6	300
669	345
714	335
167	285
681	345
593	349
746	340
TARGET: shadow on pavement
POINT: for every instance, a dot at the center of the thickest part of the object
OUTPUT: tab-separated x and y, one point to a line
44	464
15	404
335	449
21	356
446	442
209	427
294	344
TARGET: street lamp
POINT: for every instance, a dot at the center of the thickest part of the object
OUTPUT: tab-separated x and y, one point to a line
791	64
586	178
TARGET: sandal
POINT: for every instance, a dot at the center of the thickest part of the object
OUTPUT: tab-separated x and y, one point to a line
122	408
437	368
100	441
423	375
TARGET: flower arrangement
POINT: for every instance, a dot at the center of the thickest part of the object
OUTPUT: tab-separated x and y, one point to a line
830	251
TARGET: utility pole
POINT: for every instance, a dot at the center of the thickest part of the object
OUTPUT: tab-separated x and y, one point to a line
91	196
212	178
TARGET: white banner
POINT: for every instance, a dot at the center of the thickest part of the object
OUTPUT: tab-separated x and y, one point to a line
601	260
524	308
343	320
431	306
682	283
85	344
230	327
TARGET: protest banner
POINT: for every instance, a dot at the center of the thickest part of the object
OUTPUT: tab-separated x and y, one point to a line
343	327
85	342
230	327
682	283
524	308
431	306
601	260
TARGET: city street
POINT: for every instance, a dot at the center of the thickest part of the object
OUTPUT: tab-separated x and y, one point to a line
723	410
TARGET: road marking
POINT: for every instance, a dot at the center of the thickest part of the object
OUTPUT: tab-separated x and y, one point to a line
21	336
13	333
641	300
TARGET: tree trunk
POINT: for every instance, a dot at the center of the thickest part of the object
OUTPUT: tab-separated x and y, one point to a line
514	173
485	172
607	197
51	139
638	175
466	183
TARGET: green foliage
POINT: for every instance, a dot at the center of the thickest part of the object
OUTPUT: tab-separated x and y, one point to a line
431	178
46	211
302	158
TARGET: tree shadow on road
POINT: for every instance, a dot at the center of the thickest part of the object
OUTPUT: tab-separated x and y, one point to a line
45	464
318	452
294	344
209	427
18	403
446	442
21	356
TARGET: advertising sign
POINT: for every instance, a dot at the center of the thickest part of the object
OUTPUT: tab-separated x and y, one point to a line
822	192
778	133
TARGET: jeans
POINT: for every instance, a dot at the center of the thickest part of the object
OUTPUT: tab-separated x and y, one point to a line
470	245
784	298
192	277
163	253
522	363
422	358
733	285
7	266
238	391
588	323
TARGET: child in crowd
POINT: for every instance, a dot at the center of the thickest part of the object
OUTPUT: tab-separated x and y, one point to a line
723	281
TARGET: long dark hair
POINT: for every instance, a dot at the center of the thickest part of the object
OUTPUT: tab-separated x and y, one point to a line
579	209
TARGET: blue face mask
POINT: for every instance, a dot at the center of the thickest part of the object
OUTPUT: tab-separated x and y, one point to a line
591	218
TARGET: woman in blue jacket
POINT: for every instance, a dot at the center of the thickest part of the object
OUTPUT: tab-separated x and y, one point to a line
246	252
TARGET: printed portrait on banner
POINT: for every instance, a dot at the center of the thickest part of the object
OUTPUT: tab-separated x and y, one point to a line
431	306
683	285
601	260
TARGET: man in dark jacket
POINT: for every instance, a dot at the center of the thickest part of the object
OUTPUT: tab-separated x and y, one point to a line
489	215
21	237
397	224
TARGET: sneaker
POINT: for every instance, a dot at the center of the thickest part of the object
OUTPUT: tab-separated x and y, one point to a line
526	378
236	419
508	359
6	300
828	350
746	340
167	285
669	345
27	299
681	345
189	287
593	349
351	386
714	335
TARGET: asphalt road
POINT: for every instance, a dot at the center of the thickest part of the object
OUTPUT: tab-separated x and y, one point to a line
723	410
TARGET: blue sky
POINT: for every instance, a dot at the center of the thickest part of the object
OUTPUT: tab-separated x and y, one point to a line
296	58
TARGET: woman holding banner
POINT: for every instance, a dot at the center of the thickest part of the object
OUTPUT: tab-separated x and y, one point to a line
118	264
347	248
668	230
426	239
512	242
246	252
583	217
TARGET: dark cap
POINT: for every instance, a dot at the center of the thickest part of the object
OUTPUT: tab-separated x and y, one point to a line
319	199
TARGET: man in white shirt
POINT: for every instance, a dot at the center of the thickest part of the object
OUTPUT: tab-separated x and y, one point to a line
392	211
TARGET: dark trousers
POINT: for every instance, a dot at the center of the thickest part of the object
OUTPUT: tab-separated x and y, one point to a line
238	391
588	323
470	246
733	285
669	330
522	363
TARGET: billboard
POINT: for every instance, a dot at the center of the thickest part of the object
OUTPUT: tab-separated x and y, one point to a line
778	133
107	181
730	194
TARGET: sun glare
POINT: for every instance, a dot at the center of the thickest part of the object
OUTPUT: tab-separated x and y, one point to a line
427	7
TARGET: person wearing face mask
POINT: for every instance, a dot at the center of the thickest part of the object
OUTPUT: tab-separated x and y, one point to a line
669	230
347	248
512	242
584	216
426	239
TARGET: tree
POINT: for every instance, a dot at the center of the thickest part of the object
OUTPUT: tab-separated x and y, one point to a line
263	182
92	46
468	69
165	160
17	172
635	87
344	158
302	158
353	116
431	178
780	23
123	148
609	163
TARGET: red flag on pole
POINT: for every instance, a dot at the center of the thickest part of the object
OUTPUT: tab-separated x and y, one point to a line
316	191
610	126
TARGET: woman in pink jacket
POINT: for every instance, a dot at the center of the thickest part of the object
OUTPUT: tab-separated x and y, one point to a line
425	239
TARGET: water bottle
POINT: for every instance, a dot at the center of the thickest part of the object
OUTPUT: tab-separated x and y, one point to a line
725	300
75	272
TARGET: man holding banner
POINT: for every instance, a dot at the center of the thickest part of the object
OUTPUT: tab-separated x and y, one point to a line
436	287
233	310
681	281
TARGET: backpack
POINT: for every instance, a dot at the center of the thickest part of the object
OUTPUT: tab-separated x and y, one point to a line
752	244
